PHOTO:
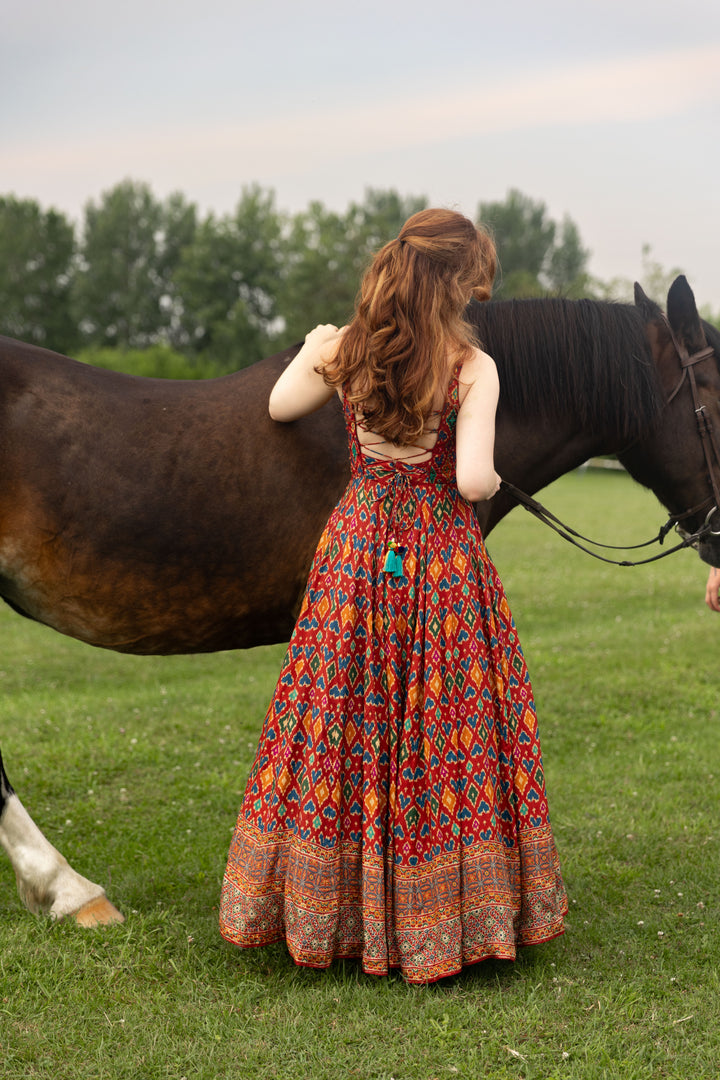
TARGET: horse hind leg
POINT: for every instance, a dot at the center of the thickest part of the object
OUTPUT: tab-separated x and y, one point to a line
46	882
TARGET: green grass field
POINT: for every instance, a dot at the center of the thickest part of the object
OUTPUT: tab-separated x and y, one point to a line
135	767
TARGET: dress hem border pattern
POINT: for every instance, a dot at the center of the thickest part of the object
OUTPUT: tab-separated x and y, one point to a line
458	909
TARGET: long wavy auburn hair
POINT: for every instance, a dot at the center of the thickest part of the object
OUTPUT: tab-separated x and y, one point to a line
409	322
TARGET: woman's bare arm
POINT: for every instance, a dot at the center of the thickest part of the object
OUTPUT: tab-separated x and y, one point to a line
475	430
301	389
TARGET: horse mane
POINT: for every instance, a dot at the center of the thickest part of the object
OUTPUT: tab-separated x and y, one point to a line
590	355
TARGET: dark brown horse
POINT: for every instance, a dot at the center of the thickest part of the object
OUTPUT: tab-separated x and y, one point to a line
151	516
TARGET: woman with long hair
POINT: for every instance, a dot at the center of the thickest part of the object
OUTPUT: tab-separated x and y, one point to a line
396	809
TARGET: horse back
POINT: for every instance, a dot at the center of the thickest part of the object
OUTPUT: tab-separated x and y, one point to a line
153	515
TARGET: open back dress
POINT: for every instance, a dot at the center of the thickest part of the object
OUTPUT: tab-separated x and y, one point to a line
396	809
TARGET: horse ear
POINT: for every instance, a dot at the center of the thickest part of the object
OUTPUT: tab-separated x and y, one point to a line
683	315
648	308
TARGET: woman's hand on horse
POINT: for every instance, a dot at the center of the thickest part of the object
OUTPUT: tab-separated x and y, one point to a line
323	334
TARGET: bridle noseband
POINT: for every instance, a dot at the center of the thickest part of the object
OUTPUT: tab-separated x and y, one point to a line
710	447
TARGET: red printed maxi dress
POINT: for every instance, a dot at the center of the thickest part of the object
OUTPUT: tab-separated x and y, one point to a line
396	808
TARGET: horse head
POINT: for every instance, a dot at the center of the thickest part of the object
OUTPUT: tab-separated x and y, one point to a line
679	457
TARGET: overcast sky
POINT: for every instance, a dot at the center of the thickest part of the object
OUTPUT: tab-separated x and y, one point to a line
608	112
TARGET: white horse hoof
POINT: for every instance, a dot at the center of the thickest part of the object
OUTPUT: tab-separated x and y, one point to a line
98	912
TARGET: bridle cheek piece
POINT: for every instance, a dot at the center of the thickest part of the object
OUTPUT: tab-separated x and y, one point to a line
708	440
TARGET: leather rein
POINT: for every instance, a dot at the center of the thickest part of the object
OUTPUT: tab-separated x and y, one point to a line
710	447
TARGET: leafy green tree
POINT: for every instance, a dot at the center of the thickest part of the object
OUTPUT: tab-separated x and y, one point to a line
318	283
36	265
380	217
156	362
535	256
132	242
711	316
566	271
327	253
654	278
227	280
177	234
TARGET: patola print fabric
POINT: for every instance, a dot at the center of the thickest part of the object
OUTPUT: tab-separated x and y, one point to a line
396	809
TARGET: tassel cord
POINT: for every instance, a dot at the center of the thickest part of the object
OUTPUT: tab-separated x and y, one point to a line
393	565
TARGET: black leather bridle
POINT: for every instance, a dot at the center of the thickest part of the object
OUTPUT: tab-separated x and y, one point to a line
711	451
705	427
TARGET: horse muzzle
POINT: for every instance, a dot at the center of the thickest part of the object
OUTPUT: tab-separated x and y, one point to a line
706	539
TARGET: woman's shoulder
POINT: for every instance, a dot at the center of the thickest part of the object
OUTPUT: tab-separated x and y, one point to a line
478	371
478	363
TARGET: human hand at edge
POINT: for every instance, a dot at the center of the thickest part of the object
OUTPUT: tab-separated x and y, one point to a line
712	591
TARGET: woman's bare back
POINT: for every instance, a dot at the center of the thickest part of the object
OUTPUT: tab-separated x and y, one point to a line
374	446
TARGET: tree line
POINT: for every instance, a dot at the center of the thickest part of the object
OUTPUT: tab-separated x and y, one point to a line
153	286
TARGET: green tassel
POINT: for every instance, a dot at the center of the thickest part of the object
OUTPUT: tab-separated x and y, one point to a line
393	561
389	567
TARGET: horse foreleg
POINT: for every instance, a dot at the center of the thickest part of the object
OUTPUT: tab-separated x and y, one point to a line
46	882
